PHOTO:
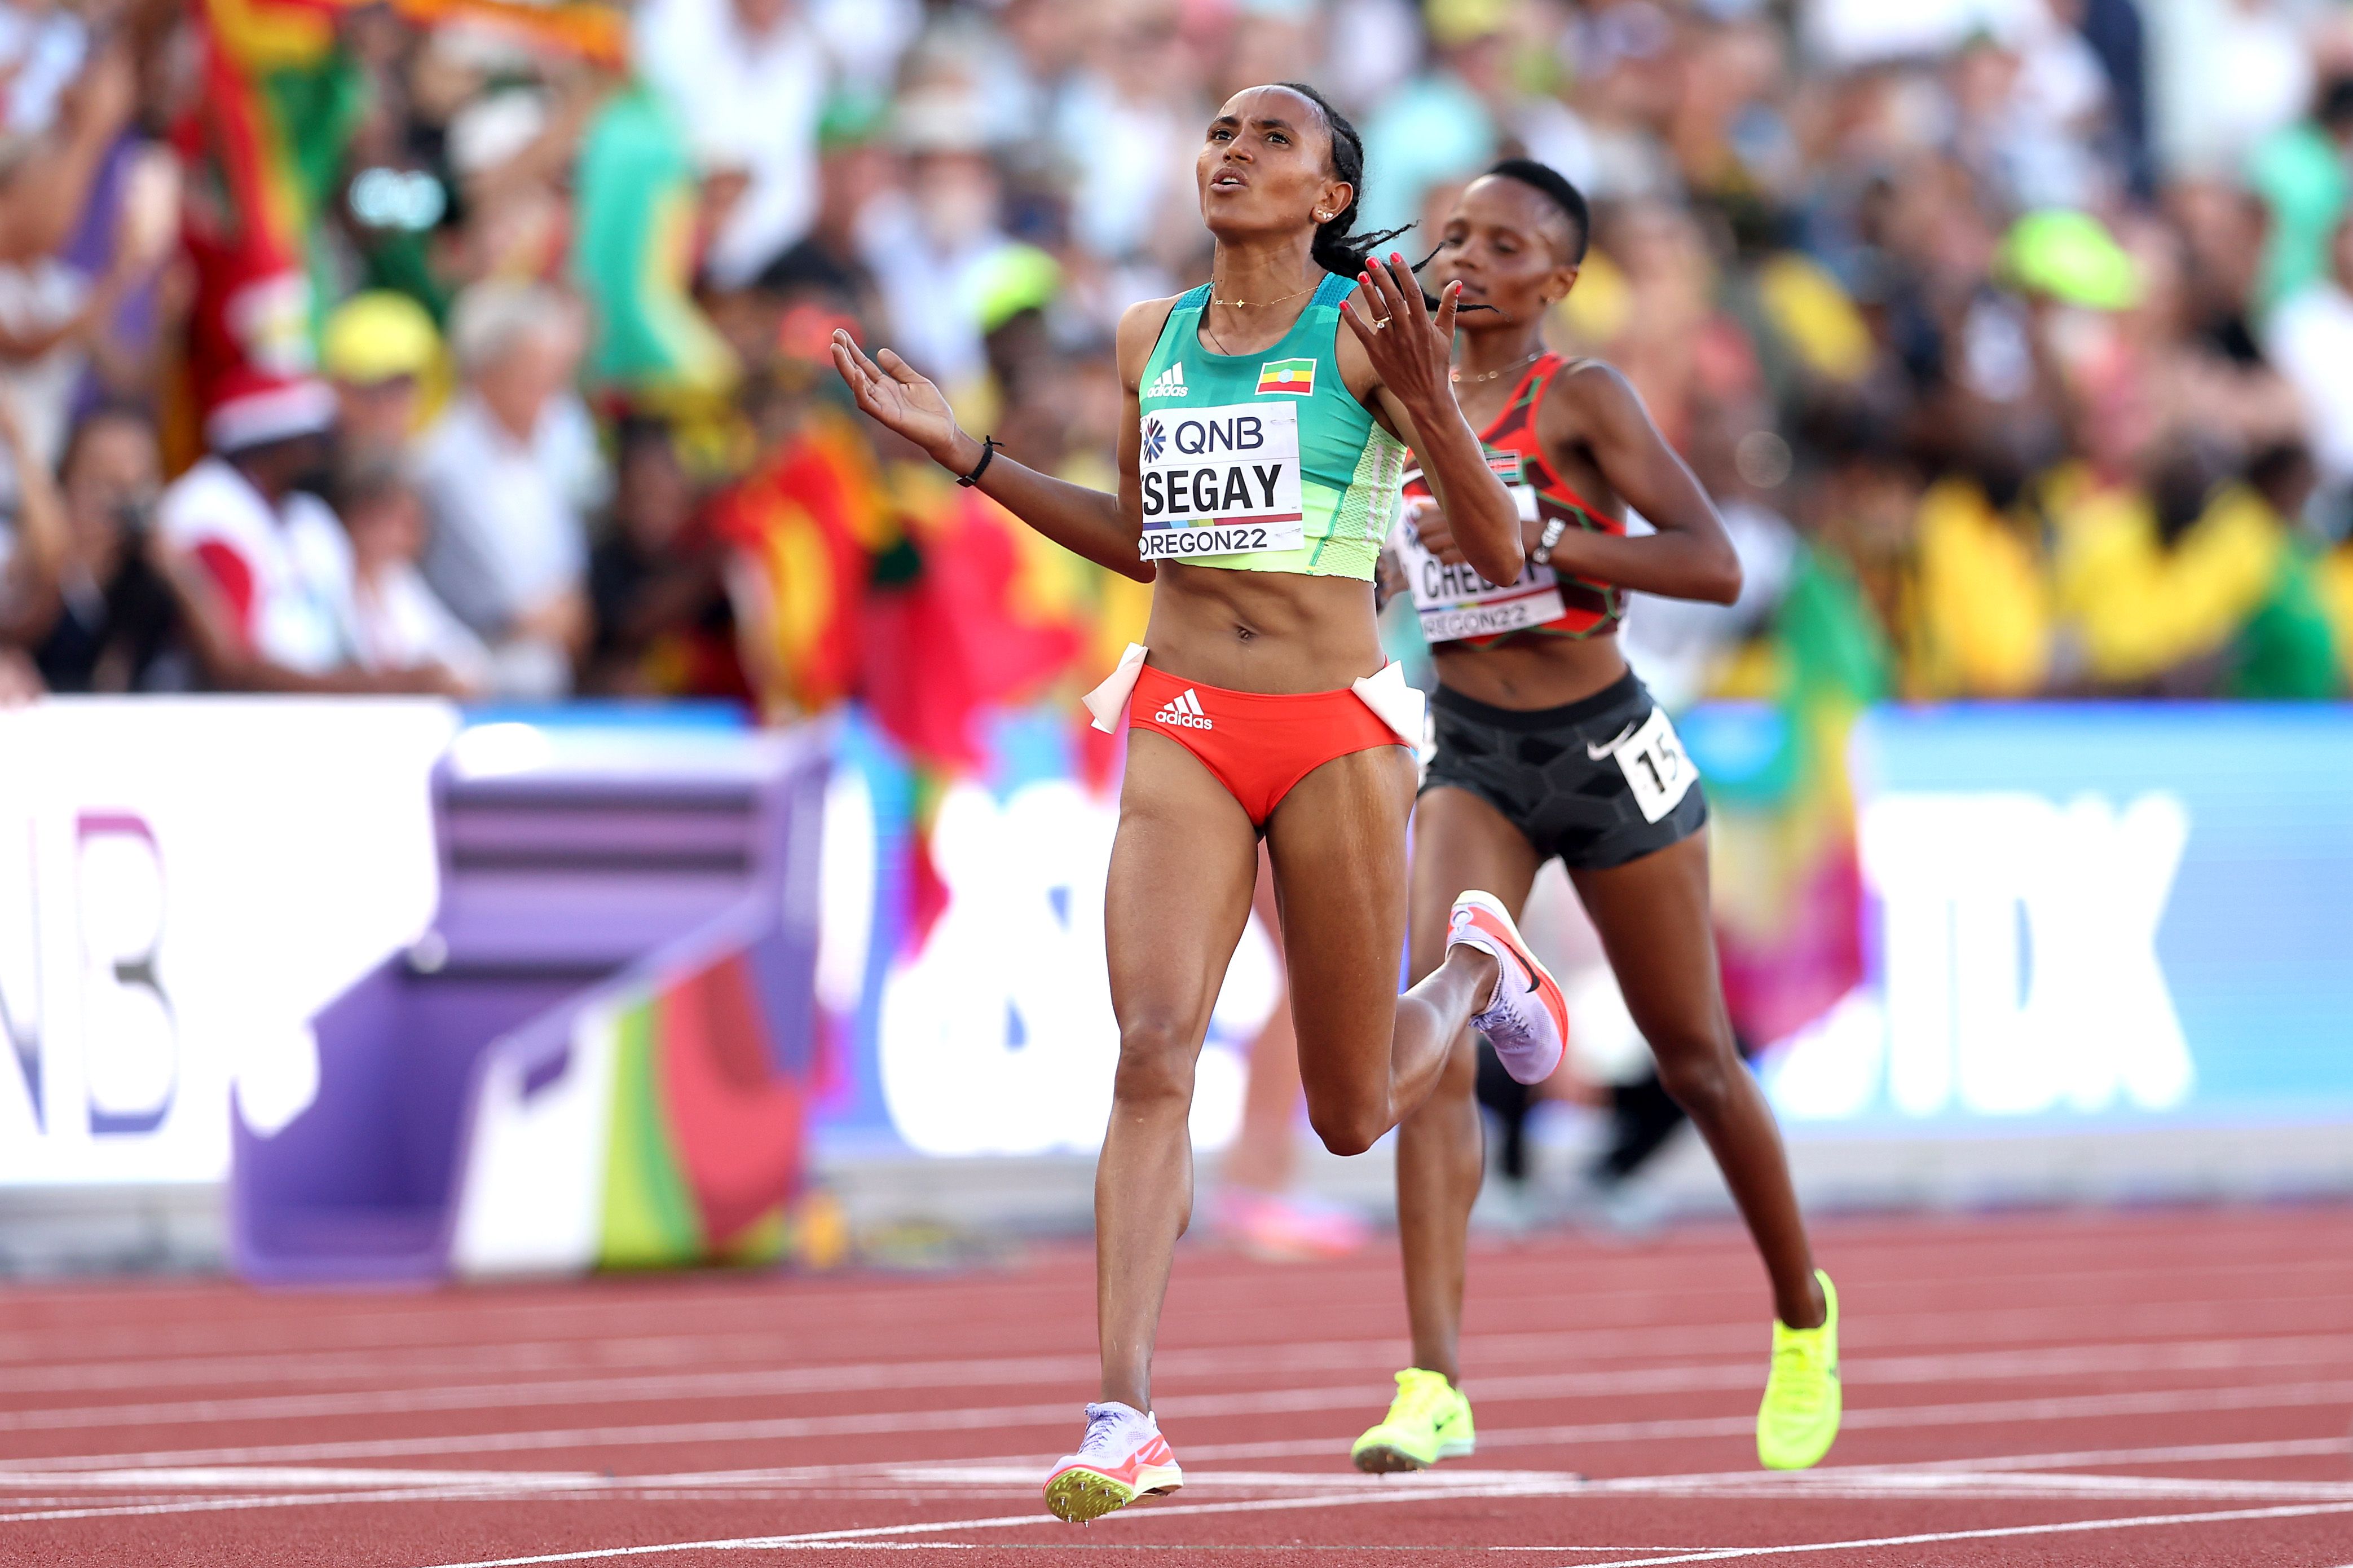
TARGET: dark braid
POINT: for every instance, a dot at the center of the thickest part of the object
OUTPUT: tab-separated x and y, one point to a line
1335	249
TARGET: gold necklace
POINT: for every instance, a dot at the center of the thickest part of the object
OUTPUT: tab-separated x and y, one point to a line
1245	304
1492	375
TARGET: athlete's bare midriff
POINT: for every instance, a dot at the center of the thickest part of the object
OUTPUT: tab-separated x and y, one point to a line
1531	671
1282	633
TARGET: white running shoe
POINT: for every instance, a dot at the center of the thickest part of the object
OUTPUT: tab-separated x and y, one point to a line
1525	1018
1122	1458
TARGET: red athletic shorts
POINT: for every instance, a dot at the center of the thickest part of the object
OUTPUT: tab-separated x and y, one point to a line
1258	745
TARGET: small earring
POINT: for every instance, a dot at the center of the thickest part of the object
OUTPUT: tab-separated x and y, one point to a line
1323	217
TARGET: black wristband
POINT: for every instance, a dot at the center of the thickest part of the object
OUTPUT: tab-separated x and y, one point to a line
988	451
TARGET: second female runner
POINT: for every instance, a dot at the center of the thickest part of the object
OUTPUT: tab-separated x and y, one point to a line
1547	745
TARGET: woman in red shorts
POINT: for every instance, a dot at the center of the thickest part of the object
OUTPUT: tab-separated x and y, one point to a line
1259	475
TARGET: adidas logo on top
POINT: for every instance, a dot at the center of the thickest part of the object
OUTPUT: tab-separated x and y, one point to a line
1183	709
1169	383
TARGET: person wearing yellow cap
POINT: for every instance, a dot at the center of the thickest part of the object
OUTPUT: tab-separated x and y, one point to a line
383	353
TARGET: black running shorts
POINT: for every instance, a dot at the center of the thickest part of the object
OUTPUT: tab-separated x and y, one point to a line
1597	782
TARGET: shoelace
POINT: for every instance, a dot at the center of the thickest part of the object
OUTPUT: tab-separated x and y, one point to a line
1500	1016
1418	1399
1503	1023
1798	1358
1102	1427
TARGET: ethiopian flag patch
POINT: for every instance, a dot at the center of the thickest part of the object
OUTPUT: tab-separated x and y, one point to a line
1293	376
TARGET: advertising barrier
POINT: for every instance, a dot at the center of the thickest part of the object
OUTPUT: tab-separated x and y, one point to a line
2097	915
184	883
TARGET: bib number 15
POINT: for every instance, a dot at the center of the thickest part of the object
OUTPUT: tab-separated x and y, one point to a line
1657	768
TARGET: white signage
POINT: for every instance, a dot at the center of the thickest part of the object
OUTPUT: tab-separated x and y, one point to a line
997	1036
2018	938
183	882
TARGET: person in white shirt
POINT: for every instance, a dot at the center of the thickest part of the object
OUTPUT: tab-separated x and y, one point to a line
261	564
507	475
398	623
929	247
748	80
2309	338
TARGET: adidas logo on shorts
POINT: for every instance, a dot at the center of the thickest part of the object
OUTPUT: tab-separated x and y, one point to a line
1183	709
1170	382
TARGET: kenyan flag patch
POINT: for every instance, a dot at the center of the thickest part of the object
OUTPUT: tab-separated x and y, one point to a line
1296	377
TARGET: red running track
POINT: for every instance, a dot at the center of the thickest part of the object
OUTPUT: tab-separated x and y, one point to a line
2144	1389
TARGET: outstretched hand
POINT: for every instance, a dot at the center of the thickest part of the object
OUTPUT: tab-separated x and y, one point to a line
1412	352
892	393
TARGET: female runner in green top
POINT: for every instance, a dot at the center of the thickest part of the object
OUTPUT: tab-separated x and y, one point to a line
1288	625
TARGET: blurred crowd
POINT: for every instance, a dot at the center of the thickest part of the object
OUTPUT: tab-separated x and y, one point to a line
478	346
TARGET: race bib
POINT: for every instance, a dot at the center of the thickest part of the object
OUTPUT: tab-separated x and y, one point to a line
1656	767
1220	481
1456	602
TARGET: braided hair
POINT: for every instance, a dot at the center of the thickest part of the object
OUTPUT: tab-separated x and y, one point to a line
1334	248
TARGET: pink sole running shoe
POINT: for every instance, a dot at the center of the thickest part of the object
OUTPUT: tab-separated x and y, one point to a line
1122	1458
1287	1227
1526	1018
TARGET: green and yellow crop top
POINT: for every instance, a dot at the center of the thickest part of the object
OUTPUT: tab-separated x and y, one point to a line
1263	462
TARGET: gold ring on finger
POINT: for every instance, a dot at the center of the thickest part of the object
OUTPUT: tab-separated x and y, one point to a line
1380	323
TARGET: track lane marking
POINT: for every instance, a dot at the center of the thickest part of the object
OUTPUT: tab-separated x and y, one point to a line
33	1345
2261	1396
885	1532
2070	1527
1997	1477
2149	1323
2063	1361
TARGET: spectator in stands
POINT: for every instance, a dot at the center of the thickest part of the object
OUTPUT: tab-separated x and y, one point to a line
507	475
56	313
380	349
60	110
748	80
262	566
2299	173
85	600
929	247
655	579
2310	338
398	623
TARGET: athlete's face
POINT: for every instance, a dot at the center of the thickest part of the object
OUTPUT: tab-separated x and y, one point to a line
1266	165
1508	245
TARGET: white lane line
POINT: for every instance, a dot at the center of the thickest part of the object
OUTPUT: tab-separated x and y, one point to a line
2308	1352
2060	1407
275	1500
1888	1332
296	1477
2177	1454
818	1539
1875	1417
457	1322
1658	1381
1002	1521
2070	1527
1996	1477
1022	1471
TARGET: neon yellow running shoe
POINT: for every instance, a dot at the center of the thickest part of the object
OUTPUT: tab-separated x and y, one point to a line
1427	1421
1799	1418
